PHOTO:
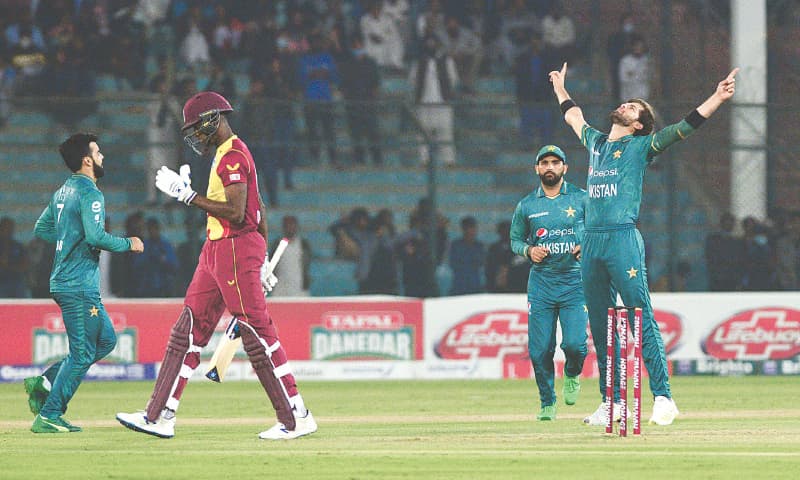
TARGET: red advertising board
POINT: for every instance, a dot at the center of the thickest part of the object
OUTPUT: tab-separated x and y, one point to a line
309	330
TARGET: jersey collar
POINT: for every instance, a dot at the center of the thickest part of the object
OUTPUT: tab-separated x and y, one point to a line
563	191
226	145
81	177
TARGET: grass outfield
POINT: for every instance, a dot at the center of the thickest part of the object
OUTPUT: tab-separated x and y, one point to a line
730	427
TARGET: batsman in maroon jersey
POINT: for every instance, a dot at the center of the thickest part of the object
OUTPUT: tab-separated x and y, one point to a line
231	273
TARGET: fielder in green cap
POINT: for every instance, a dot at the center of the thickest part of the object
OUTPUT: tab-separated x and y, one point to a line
547	228
613	250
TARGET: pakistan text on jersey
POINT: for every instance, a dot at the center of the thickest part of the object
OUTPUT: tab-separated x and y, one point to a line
559	247
603	190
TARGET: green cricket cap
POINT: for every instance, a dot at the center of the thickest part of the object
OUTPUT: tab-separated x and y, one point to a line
551	150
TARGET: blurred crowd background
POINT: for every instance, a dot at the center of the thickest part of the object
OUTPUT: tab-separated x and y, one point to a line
393	137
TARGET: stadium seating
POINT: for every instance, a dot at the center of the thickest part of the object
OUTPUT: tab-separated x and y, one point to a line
491	176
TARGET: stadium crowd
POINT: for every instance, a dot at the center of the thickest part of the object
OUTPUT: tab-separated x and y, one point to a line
315	53
388	261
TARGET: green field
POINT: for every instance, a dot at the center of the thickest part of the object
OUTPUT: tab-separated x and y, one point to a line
730	427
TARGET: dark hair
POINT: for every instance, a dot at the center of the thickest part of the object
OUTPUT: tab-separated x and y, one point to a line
646	117
468	221
75	148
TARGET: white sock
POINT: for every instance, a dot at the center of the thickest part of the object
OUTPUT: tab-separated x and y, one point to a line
298	405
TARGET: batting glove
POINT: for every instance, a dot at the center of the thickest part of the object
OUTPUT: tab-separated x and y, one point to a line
177	186
268	279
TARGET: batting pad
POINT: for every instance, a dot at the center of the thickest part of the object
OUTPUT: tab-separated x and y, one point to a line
260	354
180	339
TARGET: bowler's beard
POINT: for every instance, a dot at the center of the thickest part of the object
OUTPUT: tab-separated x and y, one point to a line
551	179
618	119
98	170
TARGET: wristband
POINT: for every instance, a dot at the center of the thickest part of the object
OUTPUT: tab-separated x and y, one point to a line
695	119
190	198
567	104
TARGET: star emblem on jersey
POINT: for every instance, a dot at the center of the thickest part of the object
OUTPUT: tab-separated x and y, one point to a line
632	273
617	154
93	311
570	211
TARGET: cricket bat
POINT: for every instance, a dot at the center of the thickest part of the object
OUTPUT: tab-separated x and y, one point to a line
230	342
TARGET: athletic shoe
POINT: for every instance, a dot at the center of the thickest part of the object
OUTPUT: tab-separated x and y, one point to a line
37	394
600	416
572	387
53	425
548	413
303	426
162	428
664	411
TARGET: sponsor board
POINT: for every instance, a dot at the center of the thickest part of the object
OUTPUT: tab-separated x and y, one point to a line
370	370
502	335
471	336
488	334
39	336
134	371
766	333
713	366
385	328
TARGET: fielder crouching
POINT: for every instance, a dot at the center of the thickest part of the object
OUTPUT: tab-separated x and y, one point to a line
230	273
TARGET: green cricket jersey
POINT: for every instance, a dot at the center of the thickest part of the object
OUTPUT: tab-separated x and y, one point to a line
616	172
75	221
555	223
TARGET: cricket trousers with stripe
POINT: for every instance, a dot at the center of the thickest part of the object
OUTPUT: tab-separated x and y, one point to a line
228	276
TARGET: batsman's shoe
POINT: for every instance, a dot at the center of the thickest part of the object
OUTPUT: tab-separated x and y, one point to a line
572	387
37	393
303	426
162	428
664	411
548	413
599	417
53	425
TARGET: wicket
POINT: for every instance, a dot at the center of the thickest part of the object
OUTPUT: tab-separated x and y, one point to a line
617	322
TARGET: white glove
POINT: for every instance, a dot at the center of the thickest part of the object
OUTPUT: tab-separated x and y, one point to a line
268	279
186	174
177	186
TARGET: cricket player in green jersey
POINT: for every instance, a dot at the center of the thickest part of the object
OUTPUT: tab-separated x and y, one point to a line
74	221
547	228
613	251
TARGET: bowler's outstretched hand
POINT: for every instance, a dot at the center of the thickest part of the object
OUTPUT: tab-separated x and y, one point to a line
727	87
557	77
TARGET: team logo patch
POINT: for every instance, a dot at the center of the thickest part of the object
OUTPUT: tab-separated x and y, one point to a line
96	207
542	232
232	168
235	176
